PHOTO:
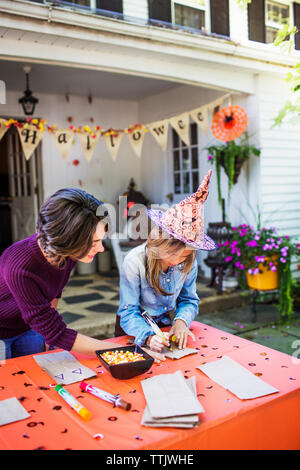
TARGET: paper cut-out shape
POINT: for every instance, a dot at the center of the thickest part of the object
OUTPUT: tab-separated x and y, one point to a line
11	410
63	367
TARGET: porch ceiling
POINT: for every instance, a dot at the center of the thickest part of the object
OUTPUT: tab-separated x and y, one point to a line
54	79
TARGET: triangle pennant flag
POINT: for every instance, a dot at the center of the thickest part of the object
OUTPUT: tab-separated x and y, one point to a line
181	125
215	106
63	140
30	138
159	130
113	143
3	127
200	116
88	143
136	138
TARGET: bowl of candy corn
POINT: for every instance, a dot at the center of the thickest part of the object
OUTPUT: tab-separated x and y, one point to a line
125	362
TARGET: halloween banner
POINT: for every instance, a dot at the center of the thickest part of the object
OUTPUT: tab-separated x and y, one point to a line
88	143
30	138
181	125
64	141
136	138
3	127
200	116
113	141
159	130
32	131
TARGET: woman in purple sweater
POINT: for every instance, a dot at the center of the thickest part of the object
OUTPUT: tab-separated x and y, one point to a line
34	271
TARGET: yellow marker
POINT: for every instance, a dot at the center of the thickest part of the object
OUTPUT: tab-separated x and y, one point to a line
81	410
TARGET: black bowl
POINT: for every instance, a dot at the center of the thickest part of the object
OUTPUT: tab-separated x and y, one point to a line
128	369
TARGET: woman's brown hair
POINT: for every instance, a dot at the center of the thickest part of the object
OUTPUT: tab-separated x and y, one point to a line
67	223
158	240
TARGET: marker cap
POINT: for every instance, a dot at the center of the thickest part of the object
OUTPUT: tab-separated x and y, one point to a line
85	414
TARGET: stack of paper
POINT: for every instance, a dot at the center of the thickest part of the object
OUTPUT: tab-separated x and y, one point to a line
171	401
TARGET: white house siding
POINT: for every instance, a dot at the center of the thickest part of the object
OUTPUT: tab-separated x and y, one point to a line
280	162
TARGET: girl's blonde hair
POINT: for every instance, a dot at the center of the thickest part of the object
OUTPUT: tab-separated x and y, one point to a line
160	241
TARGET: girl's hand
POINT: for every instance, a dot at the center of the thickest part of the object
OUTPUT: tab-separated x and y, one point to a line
156	343
181	331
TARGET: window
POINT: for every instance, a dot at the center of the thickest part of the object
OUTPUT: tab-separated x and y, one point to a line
190	13
276	15
186	163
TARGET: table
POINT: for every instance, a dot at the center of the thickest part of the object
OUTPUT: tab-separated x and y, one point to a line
270	422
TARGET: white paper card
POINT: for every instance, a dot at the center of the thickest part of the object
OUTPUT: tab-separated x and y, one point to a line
63	367
235	378
11	410
177	353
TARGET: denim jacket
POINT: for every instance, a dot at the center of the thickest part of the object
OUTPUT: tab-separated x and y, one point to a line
136	295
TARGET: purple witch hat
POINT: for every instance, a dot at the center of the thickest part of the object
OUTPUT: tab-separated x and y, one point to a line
184	220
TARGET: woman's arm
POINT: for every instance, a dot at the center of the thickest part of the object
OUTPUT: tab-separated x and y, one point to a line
86	345
187	308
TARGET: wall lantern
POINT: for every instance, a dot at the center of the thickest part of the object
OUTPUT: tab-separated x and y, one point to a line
28	101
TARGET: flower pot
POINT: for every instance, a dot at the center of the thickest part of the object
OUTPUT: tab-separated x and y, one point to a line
267	280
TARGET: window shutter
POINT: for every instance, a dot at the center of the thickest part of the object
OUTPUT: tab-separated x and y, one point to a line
297	24
160	10
256	21
219	17
110	5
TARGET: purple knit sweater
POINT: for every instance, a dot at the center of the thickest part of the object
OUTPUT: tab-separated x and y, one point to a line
28	284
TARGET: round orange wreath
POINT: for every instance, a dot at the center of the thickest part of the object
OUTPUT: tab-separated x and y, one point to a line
229	123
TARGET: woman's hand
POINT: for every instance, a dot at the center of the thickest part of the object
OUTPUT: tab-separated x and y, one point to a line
181	331
157	356
54	303
156	343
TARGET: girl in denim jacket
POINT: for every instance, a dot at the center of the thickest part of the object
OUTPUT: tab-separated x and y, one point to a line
160	275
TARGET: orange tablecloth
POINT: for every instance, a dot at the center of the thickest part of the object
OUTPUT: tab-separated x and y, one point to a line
270	422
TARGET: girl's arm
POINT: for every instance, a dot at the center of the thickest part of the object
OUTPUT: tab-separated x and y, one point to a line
131	320
187	308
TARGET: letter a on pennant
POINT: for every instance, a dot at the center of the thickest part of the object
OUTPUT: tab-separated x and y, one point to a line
63	140
181	125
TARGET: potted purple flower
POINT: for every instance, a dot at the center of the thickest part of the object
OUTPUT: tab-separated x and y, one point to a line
264	258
